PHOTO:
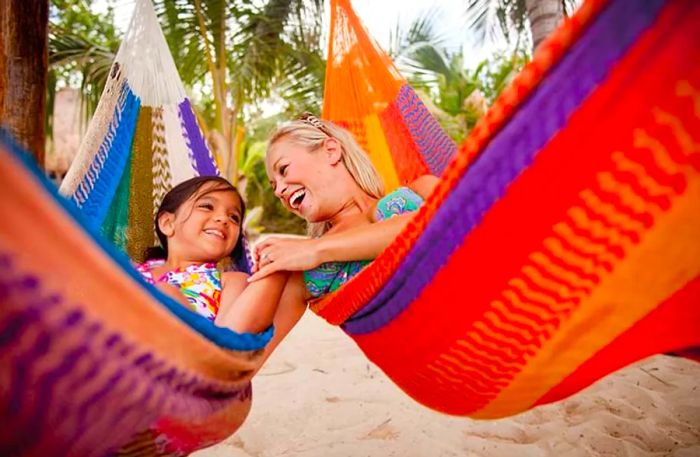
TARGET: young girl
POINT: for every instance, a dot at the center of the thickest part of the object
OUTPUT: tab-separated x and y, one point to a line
198	224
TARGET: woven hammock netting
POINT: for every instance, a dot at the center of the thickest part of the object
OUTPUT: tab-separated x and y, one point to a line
560	245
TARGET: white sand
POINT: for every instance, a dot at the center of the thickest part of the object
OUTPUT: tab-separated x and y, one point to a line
318	396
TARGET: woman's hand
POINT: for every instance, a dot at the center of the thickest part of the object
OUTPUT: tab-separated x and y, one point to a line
285	254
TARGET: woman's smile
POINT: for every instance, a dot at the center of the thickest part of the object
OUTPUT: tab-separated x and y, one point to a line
297	198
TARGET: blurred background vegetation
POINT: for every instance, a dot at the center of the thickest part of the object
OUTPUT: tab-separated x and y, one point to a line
242	59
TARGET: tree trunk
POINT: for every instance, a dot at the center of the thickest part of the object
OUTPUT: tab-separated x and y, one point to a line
232	146
23	71
544	17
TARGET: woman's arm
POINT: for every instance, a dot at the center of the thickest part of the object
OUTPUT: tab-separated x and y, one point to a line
424	185
359	243
249	307
363	242
368	241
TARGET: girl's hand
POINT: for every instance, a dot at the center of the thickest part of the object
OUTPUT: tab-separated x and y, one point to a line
285	254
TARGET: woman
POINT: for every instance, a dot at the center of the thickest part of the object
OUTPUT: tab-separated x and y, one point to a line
321	174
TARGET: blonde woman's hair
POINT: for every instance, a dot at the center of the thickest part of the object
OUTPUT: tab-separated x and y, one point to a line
310	133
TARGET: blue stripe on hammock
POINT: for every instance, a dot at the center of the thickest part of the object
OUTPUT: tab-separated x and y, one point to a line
97	188
223	337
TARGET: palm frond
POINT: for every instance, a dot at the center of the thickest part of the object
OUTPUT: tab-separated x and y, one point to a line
91	61
484	19
181	29
259	47
420	51
282	35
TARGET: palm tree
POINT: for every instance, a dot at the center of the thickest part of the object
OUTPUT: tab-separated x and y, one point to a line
232	53
23	28
71	52
82	45
544	16
456	96
510	18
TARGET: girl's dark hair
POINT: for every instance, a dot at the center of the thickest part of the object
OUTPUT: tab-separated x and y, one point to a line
179	195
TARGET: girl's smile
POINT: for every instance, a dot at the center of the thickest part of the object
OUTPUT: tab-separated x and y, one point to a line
206	227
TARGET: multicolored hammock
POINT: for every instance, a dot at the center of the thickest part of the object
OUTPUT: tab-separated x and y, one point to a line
93	359
91	362
572	237
143	140
366	94
564	239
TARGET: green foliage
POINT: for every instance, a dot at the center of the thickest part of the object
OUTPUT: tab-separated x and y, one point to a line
496	73
465	95
494	19
456	96
181	27
78	17
82	46
262	49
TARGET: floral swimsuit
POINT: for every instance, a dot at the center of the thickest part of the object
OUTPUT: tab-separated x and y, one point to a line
329	276
200	284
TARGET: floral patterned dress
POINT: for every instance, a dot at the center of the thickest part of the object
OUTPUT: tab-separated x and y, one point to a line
200	284
329	276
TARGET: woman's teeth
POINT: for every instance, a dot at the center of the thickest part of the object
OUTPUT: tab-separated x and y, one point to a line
296	198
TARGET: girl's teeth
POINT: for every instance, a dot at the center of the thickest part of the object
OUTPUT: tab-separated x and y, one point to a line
215	232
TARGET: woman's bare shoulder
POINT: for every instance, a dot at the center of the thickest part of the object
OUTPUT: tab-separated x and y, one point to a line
424	185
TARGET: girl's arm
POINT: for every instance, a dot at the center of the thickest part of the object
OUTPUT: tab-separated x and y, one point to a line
249	307
364	242
291	308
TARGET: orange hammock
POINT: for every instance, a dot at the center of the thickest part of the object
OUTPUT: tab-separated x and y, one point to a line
366	94
568	248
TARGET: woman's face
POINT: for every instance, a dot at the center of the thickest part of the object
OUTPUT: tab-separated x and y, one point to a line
309	184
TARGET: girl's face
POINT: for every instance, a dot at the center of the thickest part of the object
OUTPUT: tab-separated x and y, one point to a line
309	184
206	227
